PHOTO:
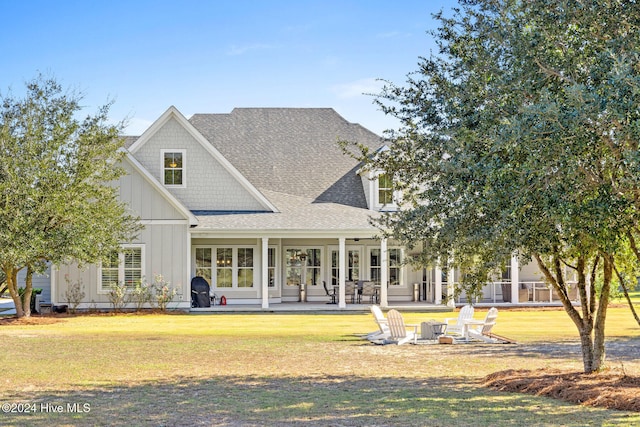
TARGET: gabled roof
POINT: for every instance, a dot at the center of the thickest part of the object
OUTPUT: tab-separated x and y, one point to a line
291	150
173	113
193	221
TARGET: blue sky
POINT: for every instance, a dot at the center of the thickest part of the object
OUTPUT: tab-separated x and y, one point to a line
211	56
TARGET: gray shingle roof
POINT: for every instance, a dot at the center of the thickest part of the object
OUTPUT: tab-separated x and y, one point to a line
291	150
296	214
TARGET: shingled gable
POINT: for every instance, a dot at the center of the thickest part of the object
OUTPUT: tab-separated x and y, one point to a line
157	186
291	150
173	113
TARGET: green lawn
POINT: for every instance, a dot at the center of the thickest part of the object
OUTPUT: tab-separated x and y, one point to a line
288	369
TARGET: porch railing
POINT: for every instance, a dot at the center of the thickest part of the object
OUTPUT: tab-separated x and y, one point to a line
494	292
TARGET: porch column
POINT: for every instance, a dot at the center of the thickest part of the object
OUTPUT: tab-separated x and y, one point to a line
438	291
515	279
342	271
187	273
265	272
384	273
451	277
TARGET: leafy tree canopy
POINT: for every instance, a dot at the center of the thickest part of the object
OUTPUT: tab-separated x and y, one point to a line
521	134
57	201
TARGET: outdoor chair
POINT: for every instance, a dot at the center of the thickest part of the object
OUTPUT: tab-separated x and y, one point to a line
349	291
466	313
369	291
383	328
481	330
331	294
398	330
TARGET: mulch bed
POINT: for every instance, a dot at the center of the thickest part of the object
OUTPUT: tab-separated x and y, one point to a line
33	320
611	389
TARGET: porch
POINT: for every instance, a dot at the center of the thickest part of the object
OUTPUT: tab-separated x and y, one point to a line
307	307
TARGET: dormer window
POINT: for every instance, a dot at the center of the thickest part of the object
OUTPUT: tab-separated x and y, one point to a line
385	190
173	167
384	195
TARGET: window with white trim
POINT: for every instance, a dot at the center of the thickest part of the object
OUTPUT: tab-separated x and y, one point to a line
394	257
245	267
272	266
226	266
173	162
308	258
204	264
385	190
123	267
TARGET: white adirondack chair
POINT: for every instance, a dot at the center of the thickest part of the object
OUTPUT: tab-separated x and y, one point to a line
481	330
398	330
457	328
383	328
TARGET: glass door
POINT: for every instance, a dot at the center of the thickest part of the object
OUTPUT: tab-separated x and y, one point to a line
293	273
353	264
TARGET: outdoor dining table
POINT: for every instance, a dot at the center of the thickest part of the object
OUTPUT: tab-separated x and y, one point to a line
356	289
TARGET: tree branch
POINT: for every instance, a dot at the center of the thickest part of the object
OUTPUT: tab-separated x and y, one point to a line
626	293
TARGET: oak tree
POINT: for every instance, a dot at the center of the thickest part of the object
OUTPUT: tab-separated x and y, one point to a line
520	135
57	198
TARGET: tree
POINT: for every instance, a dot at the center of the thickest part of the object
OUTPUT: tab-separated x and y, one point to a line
57	201
521	136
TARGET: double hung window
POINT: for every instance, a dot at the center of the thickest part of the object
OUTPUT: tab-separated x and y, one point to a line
173	167
123	267
395	265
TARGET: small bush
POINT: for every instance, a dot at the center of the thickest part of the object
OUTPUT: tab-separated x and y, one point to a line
141	294
164	291
118	296
74	293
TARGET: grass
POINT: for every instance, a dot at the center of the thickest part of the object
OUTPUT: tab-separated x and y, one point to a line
288	369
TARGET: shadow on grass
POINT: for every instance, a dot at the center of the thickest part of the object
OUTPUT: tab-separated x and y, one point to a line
305	401
618	349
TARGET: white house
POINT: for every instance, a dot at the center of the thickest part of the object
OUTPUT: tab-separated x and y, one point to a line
264	205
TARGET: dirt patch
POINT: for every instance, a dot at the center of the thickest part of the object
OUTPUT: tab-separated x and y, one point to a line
32	320
611	389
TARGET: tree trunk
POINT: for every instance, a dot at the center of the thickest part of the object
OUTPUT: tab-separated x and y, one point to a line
599	353
587	350
28	290
591	340
12	284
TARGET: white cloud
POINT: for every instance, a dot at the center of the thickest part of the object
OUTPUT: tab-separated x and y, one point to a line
358	88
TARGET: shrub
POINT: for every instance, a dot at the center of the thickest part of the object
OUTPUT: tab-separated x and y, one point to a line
141	294
164	291
74	293
118	296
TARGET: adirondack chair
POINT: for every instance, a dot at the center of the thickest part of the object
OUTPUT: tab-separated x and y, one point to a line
398	330
457	328
383	328
481	329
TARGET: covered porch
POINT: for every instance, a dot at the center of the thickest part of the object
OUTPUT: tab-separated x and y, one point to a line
298	268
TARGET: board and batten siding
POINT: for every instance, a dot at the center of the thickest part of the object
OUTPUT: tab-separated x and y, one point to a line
165	238
165	253
143	199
